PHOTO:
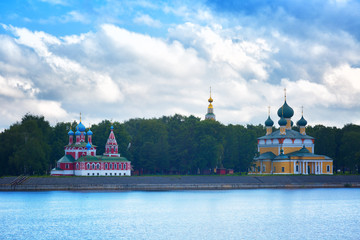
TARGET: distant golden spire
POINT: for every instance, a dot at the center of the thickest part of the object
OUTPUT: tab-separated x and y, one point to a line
285	93
302	111
210	99
80	116
269	110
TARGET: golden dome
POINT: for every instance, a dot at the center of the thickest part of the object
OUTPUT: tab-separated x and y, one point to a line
210	100
210	105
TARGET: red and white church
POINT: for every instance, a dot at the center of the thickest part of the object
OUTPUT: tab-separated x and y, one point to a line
80	157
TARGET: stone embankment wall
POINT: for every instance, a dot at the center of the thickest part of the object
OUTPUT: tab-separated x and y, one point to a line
176	182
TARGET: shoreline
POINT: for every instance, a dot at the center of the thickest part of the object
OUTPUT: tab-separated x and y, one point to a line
170	183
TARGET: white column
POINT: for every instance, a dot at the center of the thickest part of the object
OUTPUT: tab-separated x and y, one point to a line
306	168
313	167
321	168
303	167
260	166
294	167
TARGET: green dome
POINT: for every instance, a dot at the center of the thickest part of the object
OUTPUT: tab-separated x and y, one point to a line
302	122
269	122
286	111
282	121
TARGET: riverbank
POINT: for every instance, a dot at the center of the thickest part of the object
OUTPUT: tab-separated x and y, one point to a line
163	183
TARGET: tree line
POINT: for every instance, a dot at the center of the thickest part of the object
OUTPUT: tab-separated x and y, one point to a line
167	145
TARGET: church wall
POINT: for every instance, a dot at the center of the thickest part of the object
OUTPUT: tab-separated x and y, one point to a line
293	149
287	165
274	150
324	168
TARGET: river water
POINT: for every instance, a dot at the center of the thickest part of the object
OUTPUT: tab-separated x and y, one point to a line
230	214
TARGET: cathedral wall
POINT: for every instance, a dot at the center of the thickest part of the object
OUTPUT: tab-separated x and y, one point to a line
287	166
274	150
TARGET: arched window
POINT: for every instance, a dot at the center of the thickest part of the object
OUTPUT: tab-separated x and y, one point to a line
97	166
106	166
110	166
77	166
124	166
93	166
88	166
115	166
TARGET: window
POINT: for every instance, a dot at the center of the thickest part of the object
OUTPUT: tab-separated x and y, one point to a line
115	165
264	168
274	169
115	174
124	166
106	166
328	168
110	174
77	166
93	166
297	168
283	169
88	174
98	174
124	174
110	166
97	166
88	166
67	166
93	174
105	174
258	168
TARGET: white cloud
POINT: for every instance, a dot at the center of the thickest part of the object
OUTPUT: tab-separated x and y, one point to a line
118	74
147	20
56	2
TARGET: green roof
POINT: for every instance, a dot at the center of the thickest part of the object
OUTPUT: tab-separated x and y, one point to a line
101	159
265	156
288	134
66	159
81	144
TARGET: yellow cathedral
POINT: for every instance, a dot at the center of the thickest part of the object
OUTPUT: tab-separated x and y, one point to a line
287	151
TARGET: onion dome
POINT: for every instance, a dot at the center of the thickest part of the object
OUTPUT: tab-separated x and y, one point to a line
269	122
89	132
70	132
286	111
88	146
282	121
77	133
302	122
81	127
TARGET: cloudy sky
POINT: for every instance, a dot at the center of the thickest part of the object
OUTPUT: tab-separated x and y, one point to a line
124	59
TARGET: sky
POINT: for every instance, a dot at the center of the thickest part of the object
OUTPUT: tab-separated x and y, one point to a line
126	59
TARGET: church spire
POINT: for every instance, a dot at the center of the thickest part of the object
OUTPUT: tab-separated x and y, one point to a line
210	112
111	147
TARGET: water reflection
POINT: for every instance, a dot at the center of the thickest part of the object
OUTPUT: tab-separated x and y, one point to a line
235	214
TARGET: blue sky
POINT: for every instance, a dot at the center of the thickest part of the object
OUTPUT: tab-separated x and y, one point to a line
126	59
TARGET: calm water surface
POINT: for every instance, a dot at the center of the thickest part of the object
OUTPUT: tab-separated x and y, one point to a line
235	214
